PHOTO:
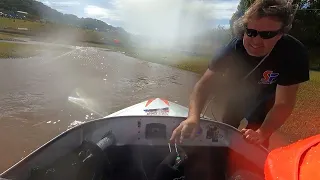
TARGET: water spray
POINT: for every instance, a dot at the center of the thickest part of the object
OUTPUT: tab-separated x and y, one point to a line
80	100
82	103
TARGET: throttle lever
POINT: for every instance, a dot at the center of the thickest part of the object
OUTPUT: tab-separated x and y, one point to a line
179	159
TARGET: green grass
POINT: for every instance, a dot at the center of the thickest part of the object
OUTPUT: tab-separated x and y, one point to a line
304	121
51	32
17	23
5	36
180	60
14	50
197	64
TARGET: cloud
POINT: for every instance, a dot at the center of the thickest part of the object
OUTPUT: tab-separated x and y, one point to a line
66	3
218	9
46	3
60	3
100	13
225	9
165	18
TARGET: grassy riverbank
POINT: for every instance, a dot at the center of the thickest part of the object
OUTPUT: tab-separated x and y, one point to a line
15	50
304	121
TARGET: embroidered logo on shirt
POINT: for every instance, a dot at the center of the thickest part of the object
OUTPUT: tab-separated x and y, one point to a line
269	77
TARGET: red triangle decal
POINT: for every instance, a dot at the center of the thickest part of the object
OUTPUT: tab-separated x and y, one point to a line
150	101
165	101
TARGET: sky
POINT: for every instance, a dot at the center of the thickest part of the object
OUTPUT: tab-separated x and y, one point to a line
149	17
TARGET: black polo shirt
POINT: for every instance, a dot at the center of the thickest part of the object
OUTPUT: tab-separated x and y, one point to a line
287	64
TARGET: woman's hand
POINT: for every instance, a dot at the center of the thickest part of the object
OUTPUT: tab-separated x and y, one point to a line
186	129
256	137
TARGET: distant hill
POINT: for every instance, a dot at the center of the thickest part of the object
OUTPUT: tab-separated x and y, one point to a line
39	11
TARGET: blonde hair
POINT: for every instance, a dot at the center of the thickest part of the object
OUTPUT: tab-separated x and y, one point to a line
282	10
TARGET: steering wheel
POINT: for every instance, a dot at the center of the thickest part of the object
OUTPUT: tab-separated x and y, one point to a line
172	167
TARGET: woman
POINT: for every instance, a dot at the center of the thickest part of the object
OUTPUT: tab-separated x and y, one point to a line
262	69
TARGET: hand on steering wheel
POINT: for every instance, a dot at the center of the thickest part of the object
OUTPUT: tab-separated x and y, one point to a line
186	129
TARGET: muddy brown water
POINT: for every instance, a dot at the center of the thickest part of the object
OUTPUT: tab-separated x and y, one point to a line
34	93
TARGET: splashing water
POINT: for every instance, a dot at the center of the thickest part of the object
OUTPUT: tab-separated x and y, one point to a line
84	104
75	123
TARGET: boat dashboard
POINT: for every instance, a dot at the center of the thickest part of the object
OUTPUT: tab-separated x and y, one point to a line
157	131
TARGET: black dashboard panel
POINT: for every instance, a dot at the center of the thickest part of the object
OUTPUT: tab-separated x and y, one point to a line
156	131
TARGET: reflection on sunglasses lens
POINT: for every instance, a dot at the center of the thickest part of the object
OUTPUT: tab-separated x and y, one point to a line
263	34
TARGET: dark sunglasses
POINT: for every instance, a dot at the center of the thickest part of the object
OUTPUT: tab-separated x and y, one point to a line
263	34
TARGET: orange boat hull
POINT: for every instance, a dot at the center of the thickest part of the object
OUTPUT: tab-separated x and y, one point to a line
297	161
